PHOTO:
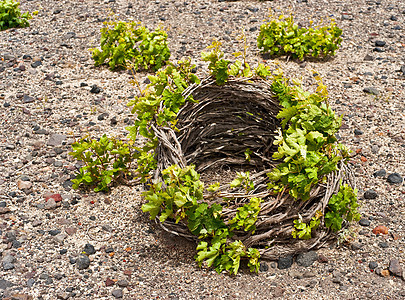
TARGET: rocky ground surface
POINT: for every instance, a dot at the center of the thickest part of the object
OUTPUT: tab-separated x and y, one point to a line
50	94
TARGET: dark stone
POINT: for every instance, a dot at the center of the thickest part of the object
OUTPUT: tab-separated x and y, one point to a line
5	284
89	249
364	222
16	244
82	262
395	267
8	260
378	49
368	58
72	260
67	185
58	164
36	64
95	89
113	121
3	203
82	84
102	116
30	282
285	262
358	132
117	293
371	90
58	150
10	236
356	246
394	178
49	280
380	43
370	194
307	259
393	18
397	27
54	232
70	35
253	9
402	69
122	283
28	99
25	178
264	267
109	250
380	173
6	104
372	265
63	251
383	245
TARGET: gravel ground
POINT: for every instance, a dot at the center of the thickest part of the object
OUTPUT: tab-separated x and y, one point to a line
46	75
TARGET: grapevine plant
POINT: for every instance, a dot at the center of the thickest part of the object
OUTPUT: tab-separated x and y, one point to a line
307	152
283	37
129	44
10	15
105	161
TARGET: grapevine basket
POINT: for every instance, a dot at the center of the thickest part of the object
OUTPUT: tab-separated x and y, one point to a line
214	133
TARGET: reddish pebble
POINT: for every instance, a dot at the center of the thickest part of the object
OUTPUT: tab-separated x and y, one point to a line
380	230
109	282
56	197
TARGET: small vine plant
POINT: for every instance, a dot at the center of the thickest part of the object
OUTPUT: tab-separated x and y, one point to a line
131	45
282	36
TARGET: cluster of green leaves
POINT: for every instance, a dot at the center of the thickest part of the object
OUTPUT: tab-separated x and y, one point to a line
308	151
342	206
220	68
181	198
242	180
281	36
306	142
158	105
10	15
131	45
304	231
105	160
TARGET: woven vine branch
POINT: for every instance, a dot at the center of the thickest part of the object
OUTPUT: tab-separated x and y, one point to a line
209	137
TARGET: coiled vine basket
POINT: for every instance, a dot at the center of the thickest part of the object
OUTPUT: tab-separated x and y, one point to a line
215	132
